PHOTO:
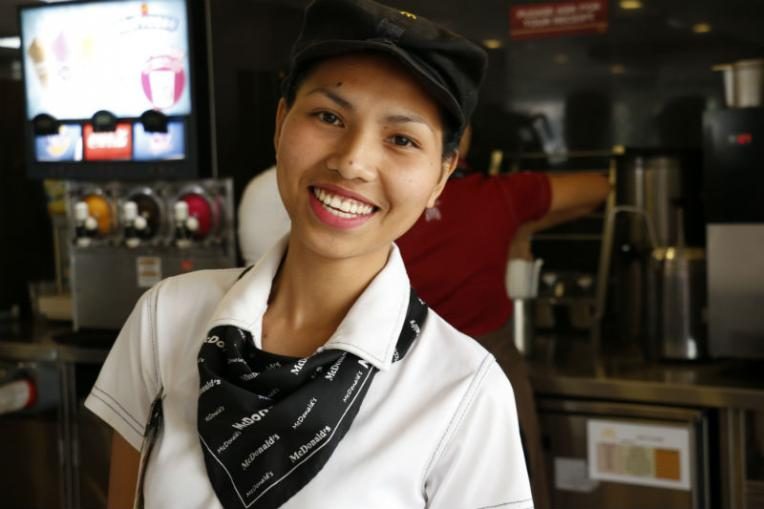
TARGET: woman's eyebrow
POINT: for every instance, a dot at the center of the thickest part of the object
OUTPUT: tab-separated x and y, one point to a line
341	101
407	118
398	118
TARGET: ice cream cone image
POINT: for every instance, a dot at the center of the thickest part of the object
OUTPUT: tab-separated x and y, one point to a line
36	52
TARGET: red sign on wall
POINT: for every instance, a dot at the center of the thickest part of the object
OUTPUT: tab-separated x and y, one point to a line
530	21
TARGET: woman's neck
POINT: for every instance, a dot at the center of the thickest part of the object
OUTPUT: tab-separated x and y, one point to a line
311	295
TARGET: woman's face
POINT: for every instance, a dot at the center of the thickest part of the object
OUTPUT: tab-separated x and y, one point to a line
359	155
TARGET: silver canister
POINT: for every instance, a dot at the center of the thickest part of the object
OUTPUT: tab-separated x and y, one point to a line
521	282
676	302
743	83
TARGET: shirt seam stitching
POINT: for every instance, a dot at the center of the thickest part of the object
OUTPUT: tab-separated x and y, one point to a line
505	504
459	413
117	413
116	405
154	342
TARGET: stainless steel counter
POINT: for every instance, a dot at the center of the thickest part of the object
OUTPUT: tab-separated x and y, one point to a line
52	342
715	384
567	377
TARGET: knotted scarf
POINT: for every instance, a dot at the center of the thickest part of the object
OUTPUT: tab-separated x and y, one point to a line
269	423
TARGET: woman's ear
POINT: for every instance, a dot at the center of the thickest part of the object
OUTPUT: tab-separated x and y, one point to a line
447	168
281	111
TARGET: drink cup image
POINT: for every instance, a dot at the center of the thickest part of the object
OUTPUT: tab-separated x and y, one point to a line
163	81
162	85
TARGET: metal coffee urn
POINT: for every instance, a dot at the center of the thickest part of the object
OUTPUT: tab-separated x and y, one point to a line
676	300
659	300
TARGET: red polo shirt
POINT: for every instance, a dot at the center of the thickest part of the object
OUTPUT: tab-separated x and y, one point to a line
456	253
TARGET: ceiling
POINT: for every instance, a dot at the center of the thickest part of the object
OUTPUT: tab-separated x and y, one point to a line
738	17
661	31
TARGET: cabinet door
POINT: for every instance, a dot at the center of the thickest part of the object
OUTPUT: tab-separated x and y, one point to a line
30	476
565	426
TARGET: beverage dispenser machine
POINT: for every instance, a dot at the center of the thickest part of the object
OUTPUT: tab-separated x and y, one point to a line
127	236
117	106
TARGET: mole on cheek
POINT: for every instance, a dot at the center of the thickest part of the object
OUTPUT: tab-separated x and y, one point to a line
339	84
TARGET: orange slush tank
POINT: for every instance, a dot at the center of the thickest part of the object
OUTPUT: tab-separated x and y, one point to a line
100	208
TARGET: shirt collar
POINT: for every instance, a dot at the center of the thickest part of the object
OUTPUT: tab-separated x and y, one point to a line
370	329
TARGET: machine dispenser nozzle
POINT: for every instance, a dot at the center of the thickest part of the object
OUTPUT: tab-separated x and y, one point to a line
130	216
85	225
182	230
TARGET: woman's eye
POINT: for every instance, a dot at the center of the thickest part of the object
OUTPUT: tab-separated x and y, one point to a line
328	118
403	141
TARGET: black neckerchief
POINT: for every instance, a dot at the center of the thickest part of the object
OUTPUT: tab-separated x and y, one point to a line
268	423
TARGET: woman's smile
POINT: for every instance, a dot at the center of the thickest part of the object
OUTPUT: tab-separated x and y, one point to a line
337	209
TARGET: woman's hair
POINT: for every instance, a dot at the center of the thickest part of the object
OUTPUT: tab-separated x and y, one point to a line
451	132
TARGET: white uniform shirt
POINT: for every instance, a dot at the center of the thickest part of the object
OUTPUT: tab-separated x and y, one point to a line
263	220
438	429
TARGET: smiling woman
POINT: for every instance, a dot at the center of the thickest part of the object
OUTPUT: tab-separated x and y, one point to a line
369	136
318	378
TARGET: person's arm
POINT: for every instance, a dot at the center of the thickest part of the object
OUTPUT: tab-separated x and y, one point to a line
123	473
572	196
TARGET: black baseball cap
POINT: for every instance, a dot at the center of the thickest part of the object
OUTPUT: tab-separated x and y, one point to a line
449	66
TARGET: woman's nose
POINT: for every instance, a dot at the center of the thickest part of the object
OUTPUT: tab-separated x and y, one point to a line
355	156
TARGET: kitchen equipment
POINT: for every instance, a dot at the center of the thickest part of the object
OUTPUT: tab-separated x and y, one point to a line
676	303
522	285
651	186
522	326
565	301
734	183
676	300
659	182
111	268
522	278
669	293
743	83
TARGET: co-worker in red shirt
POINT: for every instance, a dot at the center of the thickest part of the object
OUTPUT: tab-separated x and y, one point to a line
456	253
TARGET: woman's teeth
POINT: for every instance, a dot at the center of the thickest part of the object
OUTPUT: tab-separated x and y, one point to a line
340	206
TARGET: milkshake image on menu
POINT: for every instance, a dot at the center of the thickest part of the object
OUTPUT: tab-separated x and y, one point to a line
163	80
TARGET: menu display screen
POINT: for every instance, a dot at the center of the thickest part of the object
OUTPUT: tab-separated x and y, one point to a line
64	146
125	57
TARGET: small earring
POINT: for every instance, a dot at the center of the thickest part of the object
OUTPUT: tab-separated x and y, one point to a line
432	213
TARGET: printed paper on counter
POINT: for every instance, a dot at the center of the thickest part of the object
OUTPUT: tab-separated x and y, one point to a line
649	455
